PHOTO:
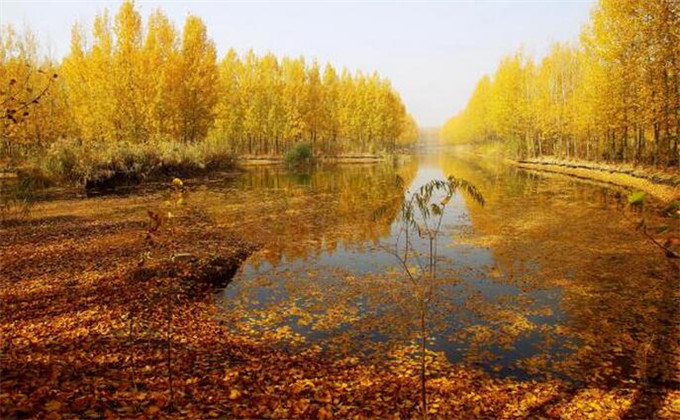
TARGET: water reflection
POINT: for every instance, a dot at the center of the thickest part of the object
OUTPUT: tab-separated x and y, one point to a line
618	295
302	216
546	280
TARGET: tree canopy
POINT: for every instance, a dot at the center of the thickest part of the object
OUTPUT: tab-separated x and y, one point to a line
614	95
138	82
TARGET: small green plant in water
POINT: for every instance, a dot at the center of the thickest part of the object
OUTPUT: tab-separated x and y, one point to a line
636	198
636	201
421	216
300	155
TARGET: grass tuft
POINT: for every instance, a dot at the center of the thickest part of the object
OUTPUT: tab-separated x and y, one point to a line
106	164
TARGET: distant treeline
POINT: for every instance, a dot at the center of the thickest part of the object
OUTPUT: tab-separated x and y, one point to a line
137	83
614	96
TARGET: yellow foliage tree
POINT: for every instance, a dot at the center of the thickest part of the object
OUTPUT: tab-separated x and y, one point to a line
127	83
615	96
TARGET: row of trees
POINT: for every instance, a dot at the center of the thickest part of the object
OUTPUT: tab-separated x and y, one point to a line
142	83
268	104
615	95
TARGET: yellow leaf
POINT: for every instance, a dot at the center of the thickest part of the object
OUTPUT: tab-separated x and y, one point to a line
234	394
53	405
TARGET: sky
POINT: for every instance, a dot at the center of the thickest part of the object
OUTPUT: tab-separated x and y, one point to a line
433	52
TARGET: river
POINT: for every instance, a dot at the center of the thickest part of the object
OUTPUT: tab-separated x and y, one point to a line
549	278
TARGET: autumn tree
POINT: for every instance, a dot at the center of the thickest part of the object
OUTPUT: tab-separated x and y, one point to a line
31	95
614	96
197	75
126	82
161	66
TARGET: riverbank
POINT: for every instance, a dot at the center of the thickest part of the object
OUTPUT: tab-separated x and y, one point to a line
349	158
106	165
663	186
124	165
82	337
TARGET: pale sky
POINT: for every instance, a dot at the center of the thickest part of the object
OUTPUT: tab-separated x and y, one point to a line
433	52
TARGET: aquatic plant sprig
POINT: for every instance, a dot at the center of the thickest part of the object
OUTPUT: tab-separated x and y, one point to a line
423	213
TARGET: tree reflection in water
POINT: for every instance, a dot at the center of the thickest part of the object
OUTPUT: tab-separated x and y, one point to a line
547	280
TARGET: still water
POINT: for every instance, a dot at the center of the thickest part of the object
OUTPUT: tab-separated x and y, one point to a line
547	279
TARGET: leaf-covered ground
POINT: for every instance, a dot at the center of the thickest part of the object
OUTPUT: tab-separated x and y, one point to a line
82	337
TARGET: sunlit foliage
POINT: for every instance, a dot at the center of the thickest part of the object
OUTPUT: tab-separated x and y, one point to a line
127	81
32	102
614	96
268	105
